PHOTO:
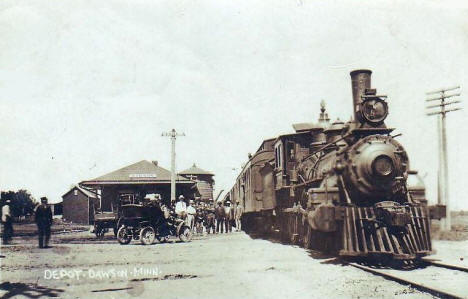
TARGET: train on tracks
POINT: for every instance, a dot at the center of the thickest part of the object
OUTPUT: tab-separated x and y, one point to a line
345	188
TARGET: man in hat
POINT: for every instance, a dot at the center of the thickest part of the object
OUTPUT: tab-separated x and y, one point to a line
229	212
210	217
43	217
7	222
238	214
219	215
191	212
199	219
181	207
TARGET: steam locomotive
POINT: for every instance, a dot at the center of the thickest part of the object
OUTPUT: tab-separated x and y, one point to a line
345	188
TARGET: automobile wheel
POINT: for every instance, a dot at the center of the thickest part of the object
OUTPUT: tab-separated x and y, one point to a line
123	236
185	234
147	235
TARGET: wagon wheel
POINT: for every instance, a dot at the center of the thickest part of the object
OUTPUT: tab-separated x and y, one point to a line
147	235
100	232
123	236
185	234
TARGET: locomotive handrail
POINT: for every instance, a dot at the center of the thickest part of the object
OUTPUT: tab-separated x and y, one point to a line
302	184
325	146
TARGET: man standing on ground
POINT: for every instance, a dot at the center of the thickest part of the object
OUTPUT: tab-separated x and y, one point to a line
237	215
191	212
210	217
181	207
7	223
43	217
229	216
219	214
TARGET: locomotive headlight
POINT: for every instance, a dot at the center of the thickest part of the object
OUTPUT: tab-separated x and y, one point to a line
374	110
382	166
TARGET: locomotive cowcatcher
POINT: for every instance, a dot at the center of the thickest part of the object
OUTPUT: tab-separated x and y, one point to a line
345	188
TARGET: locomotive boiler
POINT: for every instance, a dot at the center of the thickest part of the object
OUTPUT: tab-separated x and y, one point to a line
342	187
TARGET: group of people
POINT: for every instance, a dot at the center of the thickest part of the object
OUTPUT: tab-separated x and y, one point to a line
227	217
42	217
201	217
204	217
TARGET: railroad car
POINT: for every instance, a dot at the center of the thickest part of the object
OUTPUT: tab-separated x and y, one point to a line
345	188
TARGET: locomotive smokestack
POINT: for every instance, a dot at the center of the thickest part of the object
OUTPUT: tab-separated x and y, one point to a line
360	80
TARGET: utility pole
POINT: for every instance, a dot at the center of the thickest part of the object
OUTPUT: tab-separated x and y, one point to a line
443	182
173	134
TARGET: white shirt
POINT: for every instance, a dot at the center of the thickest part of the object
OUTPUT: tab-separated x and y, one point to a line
191	210
227	210
180	207
5	212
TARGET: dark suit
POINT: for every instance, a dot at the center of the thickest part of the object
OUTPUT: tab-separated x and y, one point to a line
210	220
220	215
43	217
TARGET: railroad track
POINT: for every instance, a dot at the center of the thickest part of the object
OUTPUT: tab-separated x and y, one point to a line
438	278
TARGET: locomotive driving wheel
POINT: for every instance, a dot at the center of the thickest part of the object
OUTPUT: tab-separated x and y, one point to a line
147	235
307	237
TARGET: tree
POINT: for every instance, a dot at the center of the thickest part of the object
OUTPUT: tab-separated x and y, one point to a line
22	203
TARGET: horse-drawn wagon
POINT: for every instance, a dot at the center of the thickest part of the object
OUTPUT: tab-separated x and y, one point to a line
103	221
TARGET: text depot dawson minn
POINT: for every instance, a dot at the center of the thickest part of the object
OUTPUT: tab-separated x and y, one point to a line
101	273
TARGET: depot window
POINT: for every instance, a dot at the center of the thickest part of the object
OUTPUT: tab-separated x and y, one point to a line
290	151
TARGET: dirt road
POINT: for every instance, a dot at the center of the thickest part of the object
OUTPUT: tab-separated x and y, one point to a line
220	266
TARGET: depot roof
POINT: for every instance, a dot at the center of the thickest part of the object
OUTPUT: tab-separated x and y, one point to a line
195	170
143	172
84	191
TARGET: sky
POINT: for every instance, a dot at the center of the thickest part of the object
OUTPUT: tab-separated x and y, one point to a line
87	87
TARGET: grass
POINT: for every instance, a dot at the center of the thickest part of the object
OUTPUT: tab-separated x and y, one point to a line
30	229
459	231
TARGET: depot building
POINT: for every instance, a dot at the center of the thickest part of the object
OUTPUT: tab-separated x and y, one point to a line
131	184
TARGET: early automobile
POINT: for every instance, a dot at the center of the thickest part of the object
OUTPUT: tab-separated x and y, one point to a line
147	223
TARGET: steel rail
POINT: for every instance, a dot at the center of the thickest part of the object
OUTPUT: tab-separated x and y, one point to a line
416	285
445	265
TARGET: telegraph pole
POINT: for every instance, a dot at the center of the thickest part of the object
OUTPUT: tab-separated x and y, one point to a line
443	182
173	134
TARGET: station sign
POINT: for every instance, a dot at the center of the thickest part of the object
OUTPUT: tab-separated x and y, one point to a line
142	175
